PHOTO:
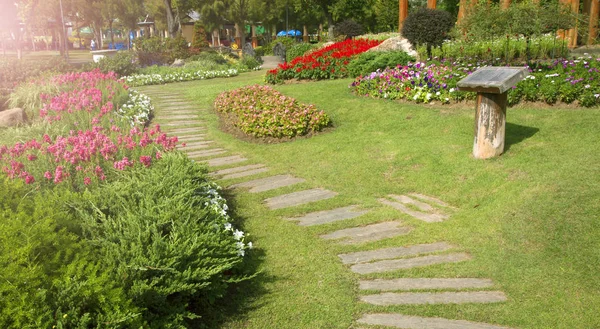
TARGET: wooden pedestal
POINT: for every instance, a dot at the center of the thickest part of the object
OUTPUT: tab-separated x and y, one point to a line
490	123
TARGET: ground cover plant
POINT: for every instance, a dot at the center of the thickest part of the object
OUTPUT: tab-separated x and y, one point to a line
176	75
559	81
516	215
512	50
326	63
94	236
261	111
372	61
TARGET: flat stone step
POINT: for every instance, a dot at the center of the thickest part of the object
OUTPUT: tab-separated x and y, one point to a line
205	153
424	284
431	199
299	198
236	170
417	322
408	200
181	124
191	138
269	183
245	173
407	263
426	217
414	298
328	216
369	233
180	117
176	109
187	130
194	144
396	252
173	103
216	162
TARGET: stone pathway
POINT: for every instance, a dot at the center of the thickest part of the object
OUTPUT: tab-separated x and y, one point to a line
181	118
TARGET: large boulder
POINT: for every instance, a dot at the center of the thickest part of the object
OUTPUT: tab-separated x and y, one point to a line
13	117
178	63
396	43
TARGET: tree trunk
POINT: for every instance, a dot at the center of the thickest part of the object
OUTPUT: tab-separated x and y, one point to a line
402	13
112	36
330	27
593	28
171	20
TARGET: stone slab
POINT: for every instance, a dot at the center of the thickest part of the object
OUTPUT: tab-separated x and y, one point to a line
424	284
269	183
191	138
430	199
206	153
226	160
195	144
166	121
328	216
369	233
390	253
417	322
492	79
236	169
426	217
407	263
180	117
299	198
187	130
245	173
419	298
166	113
408	200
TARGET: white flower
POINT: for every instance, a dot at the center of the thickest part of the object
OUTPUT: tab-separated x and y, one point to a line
586	86
238	235
250	245
451	90
228	226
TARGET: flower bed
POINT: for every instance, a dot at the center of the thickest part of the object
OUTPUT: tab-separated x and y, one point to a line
176	76
563	80
261	111
326	63
134	248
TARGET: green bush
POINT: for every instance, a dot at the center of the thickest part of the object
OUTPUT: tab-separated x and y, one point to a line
123	63
372	61
298	50
427	26
154	50
287	42
208	56
249	63
260	51
166	239
348	29
261	111
48	276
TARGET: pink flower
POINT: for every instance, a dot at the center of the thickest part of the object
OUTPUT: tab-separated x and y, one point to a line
59	175
158	155
146	160
29	179
48	175
87	181
31	157
121	165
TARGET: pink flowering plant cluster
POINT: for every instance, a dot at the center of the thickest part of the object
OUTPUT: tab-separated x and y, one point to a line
100	140
564	81
261	111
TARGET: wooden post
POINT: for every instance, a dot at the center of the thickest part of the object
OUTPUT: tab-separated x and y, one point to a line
431	4
402	13
305	34
254	38
593	29
504	4
573	31
462	8
320	31
490	123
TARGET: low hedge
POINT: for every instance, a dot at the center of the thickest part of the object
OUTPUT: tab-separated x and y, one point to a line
261	111
372	61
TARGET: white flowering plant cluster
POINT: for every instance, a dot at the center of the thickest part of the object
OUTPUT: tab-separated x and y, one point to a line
176	76
218	206
138	109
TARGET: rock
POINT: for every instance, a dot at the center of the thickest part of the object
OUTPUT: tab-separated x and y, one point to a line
178	63
13	117
396	43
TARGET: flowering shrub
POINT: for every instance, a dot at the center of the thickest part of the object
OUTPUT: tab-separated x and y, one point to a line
326	63
262	111
176	76
562	80
138	109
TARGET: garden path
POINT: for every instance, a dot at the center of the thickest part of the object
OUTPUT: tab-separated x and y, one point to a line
183	119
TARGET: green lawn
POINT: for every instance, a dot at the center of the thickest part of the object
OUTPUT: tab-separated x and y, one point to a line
529	218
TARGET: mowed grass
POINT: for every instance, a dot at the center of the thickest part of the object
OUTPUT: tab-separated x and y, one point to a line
530	218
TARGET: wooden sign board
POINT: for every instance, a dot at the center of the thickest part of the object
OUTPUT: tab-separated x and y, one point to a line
493	79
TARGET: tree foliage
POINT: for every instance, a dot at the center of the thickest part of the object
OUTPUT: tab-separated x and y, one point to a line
427	26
